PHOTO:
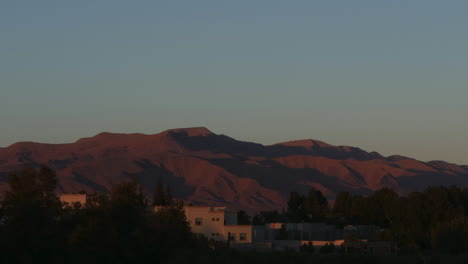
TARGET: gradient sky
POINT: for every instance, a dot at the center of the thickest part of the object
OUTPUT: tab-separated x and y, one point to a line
389	76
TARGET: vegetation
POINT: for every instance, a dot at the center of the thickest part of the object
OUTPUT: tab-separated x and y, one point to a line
243	218
328	248
121	227
115	228
434	220
162	197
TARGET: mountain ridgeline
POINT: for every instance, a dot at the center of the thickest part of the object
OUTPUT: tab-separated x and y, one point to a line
209	169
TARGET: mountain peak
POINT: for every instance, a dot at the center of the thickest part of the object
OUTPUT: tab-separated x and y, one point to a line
206	168
107	136
192	131
22	144
307	143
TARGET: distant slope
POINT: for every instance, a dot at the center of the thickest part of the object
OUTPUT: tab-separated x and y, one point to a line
206	168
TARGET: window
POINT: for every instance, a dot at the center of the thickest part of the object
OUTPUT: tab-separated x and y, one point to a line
212	219
217	219
198	221
232	236
242	236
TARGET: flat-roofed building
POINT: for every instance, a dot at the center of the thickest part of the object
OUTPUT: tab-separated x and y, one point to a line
217	223
208	221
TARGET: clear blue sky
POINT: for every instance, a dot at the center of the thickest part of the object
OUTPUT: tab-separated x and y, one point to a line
389	76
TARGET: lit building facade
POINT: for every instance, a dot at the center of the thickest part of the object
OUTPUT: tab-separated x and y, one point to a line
217	223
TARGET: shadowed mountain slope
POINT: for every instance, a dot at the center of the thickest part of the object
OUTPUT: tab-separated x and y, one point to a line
210	169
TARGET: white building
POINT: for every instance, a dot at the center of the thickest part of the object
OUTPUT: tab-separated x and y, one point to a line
217	223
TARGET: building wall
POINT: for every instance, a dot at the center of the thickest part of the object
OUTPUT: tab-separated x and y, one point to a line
313	231
272	230
208	221
230	218
239	233
217	223
259	233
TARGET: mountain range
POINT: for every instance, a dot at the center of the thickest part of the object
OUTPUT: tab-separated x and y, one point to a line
205	168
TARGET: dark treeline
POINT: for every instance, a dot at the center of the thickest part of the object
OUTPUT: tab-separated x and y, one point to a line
115	228
434	220
121	227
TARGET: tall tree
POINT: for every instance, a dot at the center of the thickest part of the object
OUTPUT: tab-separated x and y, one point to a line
383	204
117	228
243	218
342	206
296	211
168	196
30	215
316	205
159	197
173	228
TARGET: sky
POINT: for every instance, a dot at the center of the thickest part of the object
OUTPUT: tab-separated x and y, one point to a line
385	76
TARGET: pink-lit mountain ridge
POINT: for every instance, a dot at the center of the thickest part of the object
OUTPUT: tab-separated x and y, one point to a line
210	169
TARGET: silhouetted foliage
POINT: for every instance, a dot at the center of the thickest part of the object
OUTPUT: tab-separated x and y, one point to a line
162	196
121	227
306	208
268	217
168	194
430	220
115	228
451	237
434	219
309	247
31	213
243	218
159	197
327	248
342	207
296	211
316	205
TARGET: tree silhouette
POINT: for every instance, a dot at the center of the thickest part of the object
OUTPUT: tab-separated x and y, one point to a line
168	196
316	205
30	216
243	218
159	194
296	211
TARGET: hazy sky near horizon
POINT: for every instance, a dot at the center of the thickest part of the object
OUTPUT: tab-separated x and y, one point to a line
386	76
